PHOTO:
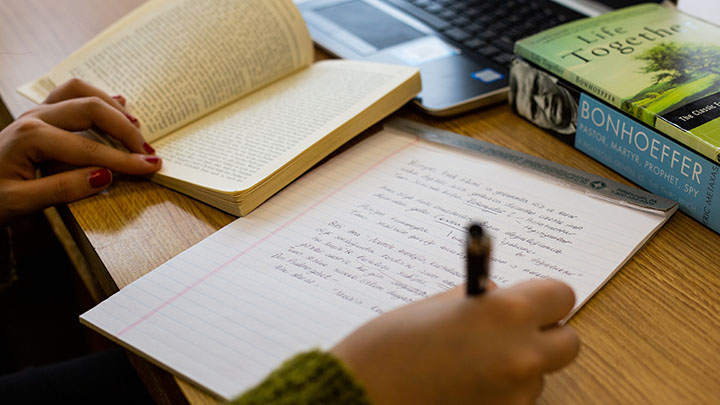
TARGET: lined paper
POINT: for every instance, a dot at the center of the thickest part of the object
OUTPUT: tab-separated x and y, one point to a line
381	225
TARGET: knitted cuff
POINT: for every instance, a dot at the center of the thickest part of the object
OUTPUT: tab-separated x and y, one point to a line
313	377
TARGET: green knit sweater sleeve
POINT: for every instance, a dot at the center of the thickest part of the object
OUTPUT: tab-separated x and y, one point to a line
313	377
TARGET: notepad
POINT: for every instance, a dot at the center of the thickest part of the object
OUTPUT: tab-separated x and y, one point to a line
381	225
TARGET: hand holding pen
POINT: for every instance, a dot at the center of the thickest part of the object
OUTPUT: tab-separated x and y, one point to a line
452	349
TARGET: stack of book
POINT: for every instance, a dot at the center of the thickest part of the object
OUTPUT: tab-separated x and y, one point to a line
637	89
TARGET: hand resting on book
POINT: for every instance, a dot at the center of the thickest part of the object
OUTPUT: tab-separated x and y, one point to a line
43	134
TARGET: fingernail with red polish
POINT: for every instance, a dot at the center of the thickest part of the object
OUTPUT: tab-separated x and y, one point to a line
100	178
120	99
152	159
133	120
149	149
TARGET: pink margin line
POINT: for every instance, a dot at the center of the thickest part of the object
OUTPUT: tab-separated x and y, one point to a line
254	245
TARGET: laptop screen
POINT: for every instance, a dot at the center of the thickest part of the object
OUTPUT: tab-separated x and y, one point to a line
370	24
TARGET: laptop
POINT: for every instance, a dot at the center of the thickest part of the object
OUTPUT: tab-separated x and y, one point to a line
462	47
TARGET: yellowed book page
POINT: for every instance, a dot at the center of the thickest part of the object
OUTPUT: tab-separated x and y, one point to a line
177	60
236	147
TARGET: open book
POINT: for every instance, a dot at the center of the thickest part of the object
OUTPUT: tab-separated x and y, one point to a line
376	227
228	96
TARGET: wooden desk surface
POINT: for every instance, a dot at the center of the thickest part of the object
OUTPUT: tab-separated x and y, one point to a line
651	335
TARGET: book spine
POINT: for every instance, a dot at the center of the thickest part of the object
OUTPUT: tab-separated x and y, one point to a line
644	156
649	159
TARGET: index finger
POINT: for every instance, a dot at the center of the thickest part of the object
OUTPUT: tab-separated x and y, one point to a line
52	143
552	300
83	113
76	88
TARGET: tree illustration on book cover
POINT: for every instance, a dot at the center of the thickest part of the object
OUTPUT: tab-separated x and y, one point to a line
682	73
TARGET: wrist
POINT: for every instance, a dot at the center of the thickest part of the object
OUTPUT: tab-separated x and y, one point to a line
308	378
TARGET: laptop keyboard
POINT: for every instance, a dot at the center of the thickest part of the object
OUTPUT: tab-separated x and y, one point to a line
488	27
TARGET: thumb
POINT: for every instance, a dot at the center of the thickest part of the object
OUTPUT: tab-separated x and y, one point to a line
63	187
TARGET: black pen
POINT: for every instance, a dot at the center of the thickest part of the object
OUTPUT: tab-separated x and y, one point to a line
478	259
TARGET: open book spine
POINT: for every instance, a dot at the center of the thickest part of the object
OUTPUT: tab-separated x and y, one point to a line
228	96
644	156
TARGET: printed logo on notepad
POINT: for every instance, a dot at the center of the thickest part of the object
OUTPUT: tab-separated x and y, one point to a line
487	75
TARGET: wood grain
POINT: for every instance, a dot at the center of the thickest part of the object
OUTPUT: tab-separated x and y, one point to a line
651	335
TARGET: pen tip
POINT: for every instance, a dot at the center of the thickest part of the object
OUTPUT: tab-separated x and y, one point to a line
475	230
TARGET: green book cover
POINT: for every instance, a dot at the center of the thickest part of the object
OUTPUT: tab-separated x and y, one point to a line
650	61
